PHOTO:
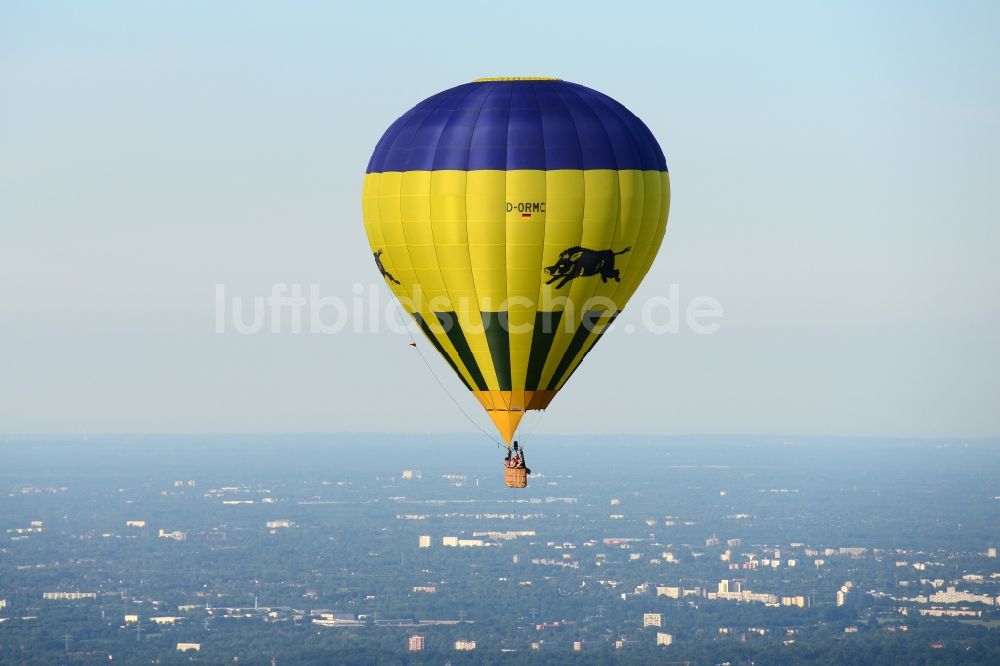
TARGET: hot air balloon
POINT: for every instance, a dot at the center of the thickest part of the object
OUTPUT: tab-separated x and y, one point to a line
513	218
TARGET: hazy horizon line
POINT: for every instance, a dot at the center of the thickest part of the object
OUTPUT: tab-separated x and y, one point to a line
533	437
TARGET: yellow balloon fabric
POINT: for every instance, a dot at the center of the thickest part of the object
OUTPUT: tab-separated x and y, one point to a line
513	219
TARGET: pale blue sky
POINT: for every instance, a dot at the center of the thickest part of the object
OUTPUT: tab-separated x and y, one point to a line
834	168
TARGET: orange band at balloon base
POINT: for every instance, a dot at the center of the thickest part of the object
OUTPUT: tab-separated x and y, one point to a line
506	408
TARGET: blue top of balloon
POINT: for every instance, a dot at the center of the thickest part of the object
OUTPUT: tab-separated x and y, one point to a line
517	123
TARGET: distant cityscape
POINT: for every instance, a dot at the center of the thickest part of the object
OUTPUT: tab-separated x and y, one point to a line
131	565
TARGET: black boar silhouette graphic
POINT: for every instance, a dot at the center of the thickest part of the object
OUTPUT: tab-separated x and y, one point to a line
386	274
578	261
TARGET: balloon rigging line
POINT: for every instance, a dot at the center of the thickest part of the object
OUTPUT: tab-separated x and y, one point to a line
530	432
413	342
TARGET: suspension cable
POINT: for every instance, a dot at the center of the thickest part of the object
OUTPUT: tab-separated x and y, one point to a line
529	432
413	343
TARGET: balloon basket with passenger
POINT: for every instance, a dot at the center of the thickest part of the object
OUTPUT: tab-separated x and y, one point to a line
515	470
515	477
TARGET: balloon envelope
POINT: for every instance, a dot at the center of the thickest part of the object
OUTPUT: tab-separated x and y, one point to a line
513	219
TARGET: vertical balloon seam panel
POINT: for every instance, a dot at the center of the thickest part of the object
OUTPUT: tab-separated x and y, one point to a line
559	339
442	98
590	343
586	317
647	139
560	382
528	374
475	319
493	396
504	400
658	233
560	342
629	260
545	223
647	229
647	223
538	378
559	369
588	290
596	334
425	304
459	336
650	245
532	314
498	401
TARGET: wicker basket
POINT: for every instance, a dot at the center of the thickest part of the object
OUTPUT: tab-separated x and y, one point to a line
516	477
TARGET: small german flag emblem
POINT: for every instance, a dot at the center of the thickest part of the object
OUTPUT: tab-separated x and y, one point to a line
525	216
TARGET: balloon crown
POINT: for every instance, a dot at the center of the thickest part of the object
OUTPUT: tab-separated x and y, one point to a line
516	78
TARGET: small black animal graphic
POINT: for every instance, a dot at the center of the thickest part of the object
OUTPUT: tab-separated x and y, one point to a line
381	269
580	262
